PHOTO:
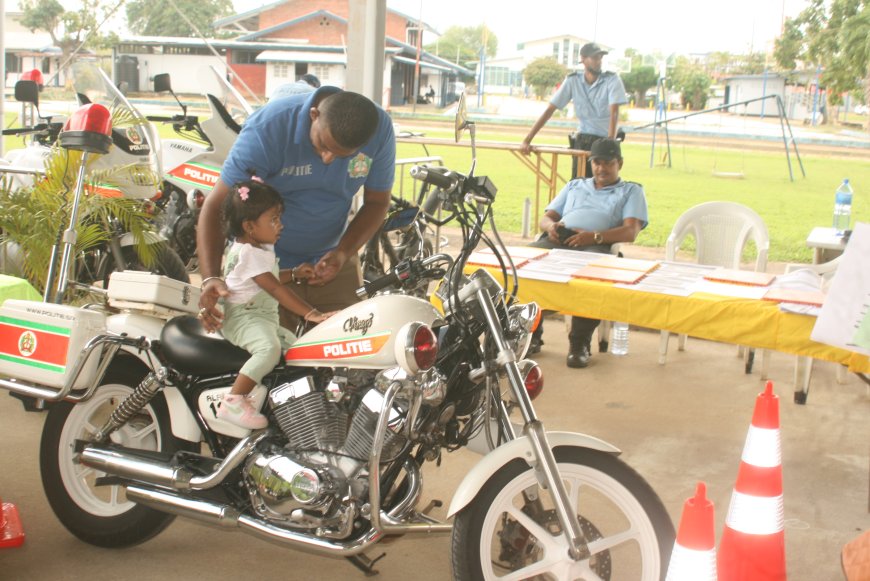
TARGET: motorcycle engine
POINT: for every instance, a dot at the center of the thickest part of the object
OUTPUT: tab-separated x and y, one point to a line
325	459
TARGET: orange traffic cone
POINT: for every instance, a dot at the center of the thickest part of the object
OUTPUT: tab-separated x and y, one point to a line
694	555
11	533
753	542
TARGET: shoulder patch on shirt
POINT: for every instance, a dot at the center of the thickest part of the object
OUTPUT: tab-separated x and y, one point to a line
574	74
608	74
359	166
635	183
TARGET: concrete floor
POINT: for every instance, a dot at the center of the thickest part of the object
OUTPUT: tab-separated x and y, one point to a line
676	424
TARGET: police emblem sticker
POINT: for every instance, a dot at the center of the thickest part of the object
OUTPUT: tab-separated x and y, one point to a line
359	166
27	343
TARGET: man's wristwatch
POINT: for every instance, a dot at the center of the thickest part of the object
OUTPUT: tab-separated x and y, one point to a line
598	237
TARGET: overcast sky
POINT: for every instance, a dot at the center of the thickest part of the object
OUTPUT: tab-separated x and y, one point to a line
684	26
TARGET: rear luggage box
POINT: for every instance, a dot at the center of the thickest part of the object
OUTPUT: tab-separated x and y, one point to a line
154	293
39	342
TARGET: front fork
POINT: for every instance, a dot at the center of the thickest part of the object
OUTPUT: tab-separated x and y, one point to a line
545	465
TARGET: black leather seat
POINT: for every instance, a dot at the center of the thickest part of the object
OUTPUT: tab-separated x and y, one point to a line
190	349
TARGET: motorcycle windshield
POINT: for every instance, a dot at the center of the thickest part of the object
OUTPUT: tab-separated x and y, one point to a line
133	165
236	105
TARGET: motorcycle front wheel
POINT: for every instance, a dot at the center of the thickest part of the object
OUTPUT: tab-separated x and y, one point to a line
511	530
99	513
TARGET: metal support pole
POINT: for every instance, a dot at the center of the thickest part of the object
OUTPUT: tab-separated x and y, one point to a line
69	237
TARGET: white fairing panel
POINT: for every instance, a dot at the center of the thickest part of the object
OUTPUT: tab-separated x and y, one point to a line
361	336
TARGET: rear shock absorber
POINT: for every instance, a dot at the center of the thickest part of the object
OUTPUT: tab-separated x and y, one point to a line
141	395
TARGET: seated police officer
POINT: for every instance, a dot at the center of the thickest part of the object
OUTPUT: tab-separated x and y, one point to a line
591	214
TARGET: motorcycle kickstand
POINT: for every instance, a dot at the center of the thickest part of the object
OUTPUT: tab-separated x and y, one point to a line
365	564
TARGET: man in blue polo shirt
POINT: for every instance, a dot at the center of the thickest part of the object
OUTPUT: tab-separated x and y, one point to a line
591	214
596	96
317	150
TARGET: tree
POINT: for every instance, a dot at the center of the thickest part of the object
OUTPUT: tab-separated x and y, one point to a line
462	44
639	81
159	17
543	74
68	28
831	37
692	82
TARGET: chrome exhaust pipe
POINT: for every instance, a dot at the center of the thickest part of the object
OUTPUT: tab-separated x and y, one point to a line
225	516
142	468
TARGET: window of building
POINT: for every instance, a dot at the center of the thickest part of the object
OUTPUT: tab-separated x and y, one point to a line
245	57
282	70
320	71
503	77
13	63
556	51
46	65
565	51
576	54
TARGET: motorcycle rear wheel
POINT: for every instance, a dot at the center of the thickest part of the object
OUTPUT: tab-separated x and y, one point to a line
511	531
100	514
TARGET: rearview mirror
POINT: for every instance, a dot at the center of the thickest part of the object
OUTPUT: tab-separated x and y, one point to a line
461	121
162	83
27	92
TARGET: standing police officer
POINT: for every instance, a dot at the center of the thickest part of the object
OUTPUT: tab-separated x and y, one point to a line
596	96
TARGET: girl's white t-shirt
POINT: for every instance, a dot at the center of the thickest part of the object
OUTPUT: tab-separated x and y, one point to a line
252	261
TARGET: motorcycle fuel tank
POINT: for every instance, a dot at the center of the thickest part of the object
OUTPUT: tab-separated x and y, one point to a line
361	336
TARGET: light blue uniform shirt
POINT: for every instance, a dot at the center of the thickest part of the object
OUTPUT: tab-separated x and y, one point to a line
591	102
275	145
295	88
583	207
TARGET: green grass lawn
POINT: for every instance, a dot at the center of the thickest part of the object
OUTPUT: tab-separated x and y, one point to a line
790	209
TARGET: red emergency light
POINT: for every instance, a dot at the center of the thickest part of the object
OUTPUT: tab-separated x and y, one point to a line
34	75
88	129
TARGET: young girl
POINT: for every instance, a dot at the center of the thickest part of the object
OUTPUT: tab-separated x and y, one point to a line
252	217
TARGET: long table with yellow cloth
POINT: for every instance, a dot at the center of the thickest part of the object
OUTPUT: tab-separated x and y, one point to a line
756	323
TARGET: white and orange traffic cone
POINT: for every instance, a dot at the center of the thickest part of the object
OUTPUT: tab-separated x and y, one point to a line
694	554
753	542
11	533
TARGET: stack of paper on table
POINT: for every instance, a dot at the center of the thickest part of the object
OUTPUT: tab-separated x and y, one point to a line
644	266
803	297
529	252
491	260
747	277
609	274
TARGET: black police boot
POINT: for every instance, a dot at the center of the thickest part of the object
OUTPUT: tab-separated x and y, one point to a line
578	357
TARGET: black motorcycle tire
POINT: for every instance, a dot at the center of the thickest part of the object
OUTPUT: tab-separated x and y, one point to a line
607	477
91	512
167	263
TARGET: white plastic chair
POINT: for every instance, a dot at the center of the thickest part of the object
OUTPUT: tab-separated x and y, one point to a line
803	368
721	231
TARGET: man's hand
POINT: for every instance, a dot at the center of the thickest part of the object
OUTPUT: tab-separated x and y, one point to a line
327	267
209	313
526	146
553	232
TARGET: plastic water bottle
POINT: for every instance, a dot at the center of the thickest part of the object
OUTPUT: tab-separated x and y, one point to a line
619	339
843	207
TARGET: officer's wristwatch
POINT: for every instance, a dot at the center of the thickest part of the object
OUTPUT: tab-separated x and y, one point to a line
598	237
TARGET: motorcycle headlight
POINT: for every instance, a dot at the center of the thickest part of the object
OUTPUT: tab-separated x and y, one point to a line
522	320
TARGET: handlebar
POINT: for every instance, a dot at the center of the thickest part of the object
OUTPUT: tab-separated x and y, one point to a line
437	176
407	270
